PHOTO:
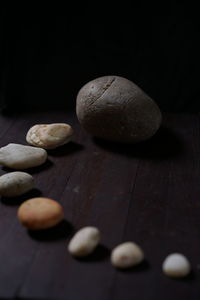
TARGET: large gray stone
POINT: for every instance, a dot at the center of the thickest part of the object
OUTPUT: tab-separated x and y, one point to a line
116	109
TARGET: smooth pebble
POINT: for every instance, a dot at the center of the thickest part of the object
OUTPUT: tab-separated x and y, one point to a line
126	255
17	156
84	241
15	183
49	136
40	213
176	265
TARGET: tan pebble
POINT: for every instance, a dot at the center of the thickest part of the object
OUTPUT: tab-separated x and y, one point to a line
15	183
176	265
40	213
49	136
126	255
84	241
17	156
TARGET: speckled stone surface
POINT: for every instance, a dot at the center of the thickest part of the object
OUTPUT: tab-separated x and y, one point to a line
114	108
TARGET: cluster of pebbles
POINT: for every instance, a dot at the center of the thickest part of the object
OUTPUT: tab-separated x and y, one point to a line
43	213
109	107
125	255
36	213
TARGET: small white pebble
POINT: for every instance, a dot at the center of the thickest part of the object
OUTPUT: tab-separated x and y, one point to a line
176	265
126	255
84	241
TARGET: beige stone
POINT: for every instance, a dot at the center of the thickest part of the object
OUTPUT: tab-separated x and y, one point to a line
40	213
49	136
126	255
84	241
15	183
17	156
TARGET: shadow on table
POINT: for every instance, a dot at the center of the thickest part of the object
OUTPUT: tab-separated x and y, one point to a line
47	165
20	199
143	266
58	232
190	277
164	144
100	253
66	149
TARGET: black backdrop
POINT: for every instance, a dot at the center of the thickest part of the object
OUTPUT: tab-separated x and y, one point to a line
49	52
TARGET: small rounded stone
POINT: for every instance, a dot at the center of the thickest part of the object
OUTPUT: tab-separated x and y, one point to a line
15	184
84	241
176	265
17	156
40	213
126	255
116	109
49	136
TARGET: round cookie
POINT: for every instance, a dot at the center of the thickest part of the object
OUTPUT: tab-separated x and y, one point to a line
116	109
40	213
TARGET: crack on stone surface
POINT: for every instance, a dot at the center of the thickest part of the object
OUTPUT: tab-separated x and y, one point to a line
105	88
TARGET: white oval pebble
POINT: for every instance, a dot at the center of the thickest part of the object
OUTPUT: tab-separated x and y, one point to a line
176	265
15	184
126	255
17	156
49	136
84	241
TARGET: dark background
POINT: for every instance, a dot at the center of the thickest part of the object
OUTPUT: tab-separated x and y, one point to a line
48	52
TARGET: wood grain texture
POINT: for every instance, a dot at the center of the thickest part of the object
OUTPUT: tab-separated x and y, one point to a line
148	193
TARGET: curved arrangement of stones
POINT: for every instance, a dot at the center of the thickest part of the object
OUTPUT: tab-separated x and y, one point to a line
109	107
37	213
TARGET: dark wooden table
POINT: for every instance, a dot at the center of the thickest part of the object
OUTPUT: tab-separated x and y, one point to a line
148	193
